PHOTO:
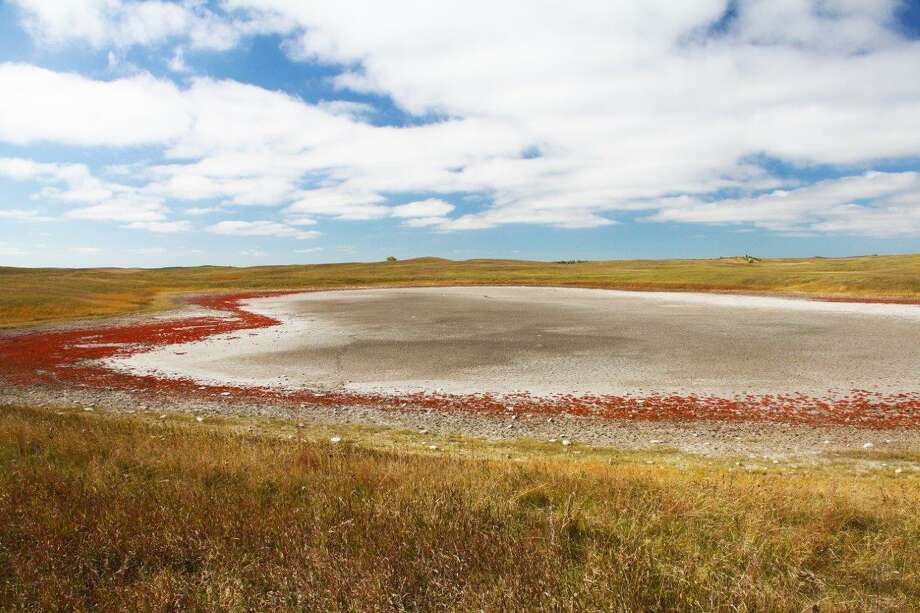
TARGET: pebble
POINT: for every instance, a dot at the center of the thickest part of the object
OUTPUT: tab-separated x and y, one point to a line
898	471
868	445
566	442
87	408
433	447
199	419
335	439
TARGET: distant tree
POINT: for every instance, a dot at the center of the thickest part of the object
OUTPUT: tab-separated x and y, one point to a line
390	258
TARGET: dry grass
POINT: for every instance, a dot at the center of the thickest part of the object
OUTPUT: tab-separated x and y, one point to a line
40	295
121	513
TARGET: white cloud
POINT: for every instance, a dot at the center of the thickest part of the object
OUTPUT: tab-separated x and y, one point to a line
161	227
425	222
253	253
70	109
124	23
149	251
120	210
177	62
832	206
423	208
86	250
309	250
202	210
259	228
24	215
98	200
563	115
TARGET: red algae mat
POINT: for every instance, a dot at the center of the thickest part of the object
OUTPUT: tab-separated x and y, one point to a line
67	359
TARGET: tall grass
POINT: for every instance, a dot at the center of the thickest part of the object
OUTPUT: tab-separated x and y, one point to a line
102	512
37	295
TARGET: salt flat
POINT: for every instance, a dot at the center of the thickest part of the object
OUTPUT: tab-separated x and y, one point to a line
556	340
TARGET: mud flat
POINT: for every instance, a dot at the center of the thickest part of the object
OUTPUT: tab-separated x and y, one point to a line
546	341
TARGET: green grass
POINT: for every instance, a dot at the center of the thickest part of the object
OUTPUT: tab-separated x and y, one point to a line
40	295
109	512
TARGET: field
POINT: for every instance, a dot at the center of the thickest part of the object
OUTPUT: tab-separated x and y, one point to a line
44	295
141	513
132	492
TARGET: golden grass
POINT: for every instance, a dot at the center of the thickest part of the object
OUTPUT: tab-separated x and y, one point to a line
126	513
39	295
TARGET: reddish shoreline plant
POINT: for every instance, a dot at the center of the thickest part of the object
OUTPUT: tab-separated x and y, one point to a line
68	358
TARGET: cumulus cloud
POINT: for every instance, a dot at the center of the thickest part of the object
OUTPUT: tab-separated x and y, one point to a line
259	228
874	203
70	109
124	23
74	184
431	207
562	115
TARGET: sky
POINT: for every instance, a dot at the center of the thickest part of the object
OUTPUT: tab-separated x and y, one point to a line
247	132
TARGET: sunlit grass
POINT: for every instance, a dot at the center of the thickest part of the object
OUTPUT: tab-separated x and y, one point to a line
39	295
145	513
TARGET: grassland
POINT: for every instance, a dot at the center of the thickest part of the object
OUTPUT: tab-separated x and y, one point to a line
41	295
109	512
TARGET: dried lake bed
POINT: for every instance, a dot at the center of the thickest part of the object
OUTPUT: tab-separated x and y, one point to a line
549	341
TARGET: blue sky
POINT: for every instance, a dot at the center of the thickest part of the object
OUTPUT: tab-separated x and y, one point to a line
246	132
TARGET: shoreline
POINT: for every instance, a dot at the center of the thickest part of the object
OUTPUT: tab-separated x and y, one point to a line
68	369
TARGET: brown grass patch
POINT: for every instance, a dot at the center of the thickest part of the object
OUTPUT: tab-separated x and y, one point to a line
118	513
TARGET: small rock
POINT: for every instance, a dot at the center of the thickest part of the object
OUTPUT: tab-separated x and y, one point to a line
87	408
552	440
566	442
199	419
433	447
162	417
225	393
335	440
898	471
868	445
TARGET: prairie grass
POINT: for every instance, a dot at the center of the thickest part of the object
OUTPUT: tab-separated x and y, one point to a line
110	512
40	295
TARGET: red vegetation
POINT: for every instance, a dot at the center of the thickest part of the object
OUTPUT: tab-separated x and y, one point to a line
65	358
